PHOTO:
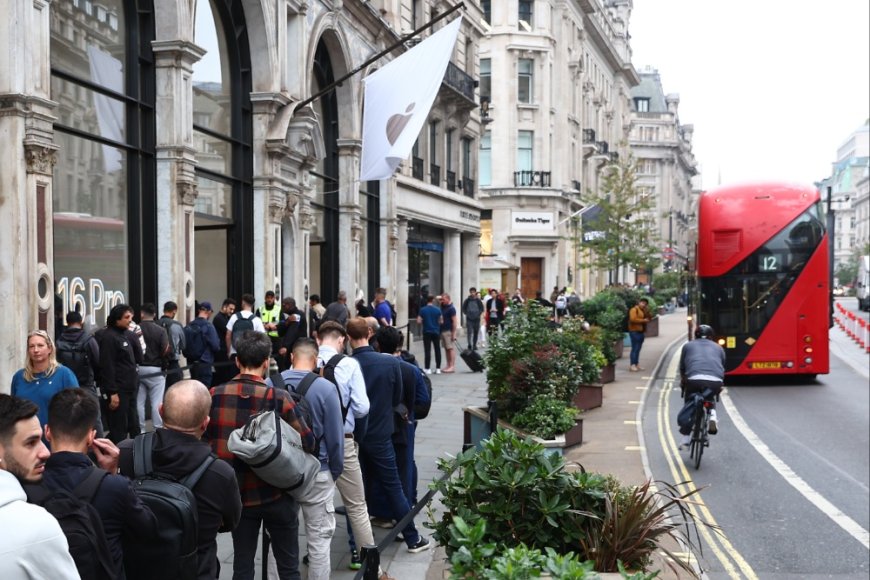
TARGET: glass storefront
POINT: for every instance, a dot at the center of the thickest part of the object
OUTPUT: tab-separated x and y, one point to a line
104	133
425	268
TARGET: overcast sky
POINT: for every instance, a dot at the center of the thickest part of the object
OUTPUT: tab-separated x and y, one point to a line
773	87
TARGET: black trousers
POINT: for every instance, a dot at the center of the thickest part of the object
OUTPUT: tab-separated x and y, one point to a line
432	340
124	420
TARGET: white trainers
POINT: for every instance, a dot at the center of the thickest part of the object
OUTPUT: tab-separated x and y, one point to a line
712	425
427	371
685	441
437	371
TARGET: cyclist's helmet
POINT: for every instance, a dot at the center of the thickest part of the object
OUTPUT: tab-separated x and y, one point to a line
704	331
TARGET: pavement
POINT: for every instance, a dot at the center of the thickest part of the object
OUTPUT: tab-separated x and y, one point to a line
611	444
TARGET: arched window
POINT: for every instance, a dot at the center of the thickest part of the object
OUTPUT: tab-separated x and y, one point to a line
324	237
102	79
222	135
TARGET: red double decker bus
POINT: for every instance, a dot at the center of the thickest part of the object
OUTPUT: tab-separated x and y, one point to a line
763	278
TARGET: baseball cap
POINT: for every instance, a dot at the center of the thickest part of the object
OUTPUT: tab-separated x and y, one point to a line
205	306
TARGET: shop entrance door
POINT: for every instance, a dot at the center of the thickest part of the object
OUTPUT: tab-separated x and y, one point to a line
530	276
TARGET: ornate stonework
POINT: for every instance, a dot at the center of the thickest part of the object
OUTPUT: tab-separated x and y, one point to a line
394	235
40	157
187	192
355	229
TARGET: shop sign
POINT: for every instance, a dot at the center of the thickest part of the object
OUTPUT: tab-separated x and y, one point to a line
532	220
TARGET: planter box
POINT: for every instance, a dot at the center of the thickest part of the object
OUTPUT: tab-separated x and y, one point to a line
589	397
476	423
608	374
652	328
619	348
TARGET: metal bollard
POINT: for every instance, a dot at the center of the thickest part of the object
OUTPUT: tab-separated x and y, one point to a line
372	561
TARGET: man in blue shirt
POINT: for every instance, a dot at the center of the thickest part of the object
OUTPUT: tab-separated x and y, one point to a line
430	319
383	377
449	326
383	314
327	424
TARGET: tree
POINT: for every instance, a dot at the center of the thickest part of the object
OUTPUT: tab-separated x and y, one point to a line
623	231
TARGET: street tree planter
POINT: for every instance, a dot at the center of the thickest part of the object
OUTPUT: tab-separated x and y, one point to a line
652	328
477	428
619	347
608	374
589	397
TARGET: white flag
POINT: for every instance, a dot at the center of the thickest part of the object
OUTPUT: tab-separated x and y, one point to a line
398	98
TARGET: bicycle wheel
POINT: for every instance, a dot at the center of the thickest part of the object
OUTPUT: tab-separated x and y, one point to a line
698	435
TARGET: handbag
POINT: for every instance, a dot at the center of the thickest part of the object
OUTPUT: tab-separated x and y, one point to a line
273	450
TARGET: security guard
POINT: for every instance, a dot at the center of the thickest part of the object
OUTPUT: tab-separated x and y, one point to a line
270	314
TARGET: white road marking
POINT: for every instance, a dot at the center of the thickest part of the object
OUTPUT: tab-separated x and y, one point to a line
851	527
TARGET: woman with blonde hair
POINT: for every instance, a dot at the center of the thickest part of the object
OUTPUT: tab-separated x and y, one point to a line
42	376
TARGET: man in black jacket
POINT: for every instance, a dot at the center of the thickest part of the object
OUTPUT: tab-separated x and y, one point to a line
291	328
178	451
152	380
119	355
71	416
80	352
223	369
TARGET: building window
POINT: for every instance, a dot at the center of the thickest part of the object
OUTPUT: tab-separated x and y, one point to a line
641	104
466	158
485	79
525	80
448	142
525	150
486	5
485	159
104	199
524	15
433	142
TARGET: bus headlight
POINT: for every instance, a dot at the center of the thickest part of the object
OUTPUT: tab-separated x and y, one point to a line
808	360
789	365
721	342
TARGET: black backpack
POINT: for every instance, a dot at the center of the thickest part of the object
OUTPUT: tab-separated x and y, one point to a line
80	522
167	323
172	553
303	408
327	371
241	325
421	410
75	356
194	342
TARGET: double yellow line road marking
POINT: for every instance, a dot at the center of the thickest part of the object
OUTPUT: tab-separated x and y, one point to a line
733	563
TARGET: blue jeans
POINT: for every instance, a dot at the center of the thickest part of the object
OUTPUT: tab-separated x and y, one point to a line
636	343
282	523
378	461
202	372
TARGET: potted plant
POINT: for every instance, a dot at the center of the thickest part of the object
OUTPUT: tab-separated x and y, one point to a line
511	494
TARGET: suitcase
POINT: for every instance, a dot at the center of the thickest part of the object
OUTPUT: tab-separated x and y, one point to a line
472	358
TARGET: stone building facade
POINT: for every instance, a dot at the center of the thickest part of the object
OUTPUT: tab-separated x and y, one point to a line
666	168
555	81
156	150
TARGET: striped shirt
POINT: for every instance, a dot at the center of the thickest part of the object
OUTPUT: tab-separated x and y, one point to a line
231	406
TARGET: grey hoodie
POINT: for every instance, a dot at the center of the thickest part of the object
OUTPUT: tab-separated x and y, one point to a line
32	544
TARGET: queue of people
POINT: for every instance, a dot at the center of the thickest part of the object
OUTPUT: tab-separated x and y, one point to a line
346	416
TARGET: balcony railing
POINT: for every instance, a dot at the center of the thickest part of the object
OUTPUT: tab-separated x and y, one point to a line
603	147
531	179
588	136
435	174
417	168
451	180
468	187
458	80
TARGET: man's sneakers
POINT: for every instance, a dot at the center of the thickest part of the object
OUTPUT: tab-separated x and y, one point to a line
355	560
382	523
427	371
420	546
685	442
635	368
437	371
712	425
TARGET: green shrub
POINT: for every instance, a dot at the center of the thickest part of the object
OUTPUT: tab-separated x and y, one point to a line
545	417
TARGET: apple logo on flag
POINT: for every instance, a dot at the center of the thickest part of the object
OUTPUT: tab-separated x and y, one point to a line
396	124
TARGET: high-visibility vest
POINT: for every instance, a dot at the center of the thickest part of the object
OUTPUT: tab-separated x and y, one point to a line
270	316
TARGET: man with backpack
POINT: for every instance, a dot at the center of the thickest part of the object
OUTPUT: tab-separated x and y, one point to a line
152	381
201	344
177	452
242	321
175	332
30	538
232	405
321	398
95	507
80	352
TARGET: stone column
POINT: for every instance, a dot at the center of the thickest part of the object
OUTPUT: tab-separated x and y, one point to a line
27	159
176	178
453	264
349	218
401	300
389	242
470	263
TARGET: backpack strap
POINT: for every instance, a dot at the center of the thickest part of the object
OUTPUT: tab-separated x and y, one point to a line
142	448
306	383
328	373
278	381
87	488
192	479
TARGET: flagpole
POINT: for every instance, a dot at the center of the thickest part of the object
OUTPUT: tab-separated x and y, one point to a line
378	56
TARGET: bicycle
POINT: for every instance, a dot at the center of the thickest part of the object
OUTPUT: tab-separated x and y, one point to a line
700	437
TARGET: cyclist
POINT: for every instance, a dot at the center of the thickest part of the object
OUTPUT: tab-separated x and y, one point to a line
702	368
